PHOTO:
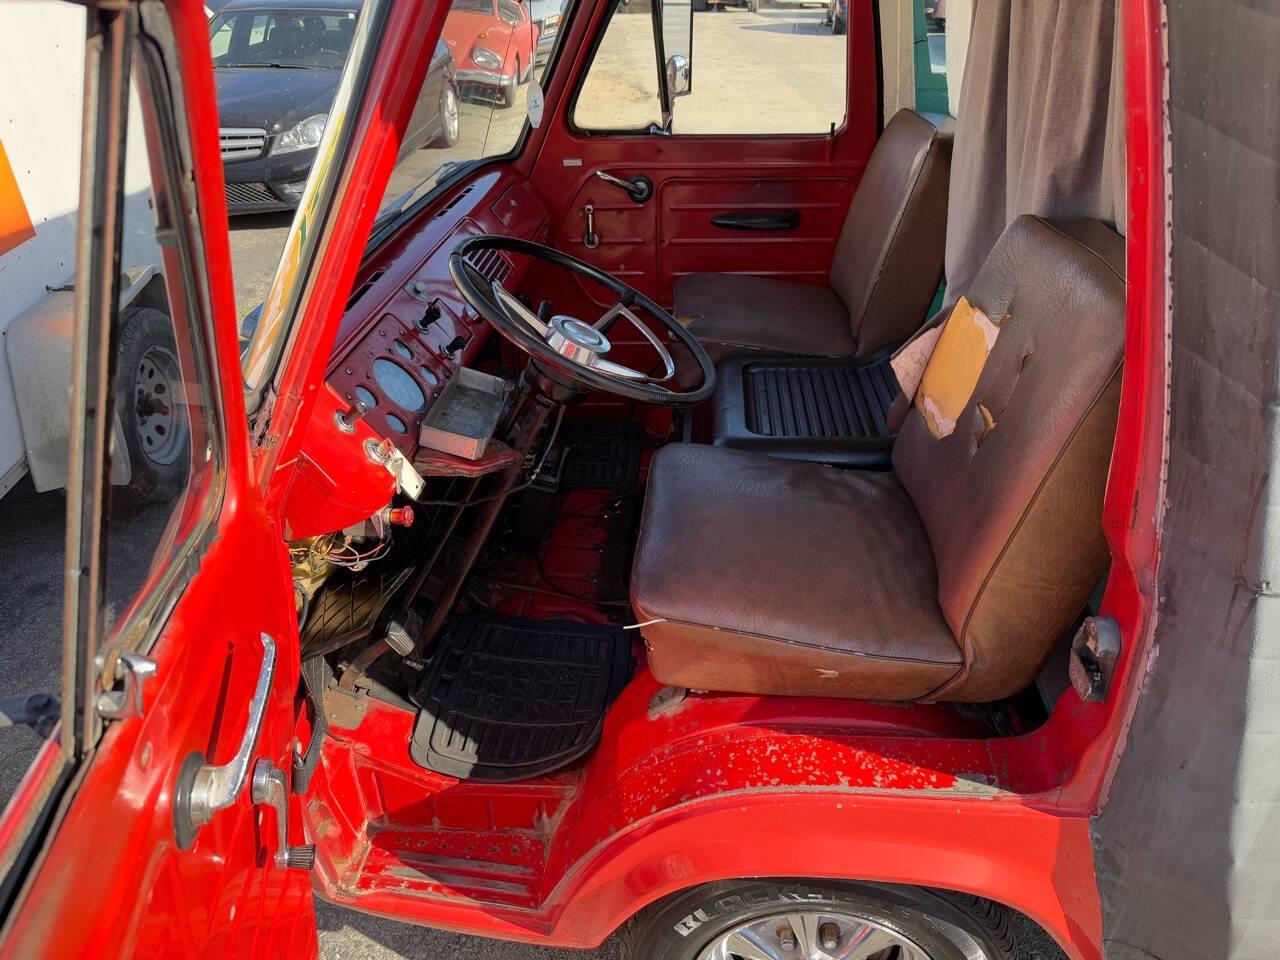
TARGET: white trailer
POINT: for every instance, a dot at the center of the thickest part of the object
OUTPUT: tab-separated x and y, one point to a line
40	123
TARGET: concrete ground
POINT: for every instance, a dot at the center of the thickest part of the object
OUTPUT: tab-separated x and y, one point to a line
776	71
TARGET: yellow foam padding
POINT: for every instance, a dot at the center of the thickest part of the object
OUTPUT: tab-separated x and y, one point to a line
953	369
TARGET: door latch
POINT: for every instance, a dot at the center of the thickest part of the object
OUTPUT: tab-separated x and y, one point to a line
131	671
590	239
271	790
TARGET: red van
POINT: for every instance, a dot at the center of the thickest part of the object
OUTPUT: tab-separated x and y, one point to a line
759	520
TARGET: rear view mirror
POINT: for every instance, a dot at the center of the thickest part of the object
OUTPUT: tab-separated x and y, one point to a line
675	25
679	75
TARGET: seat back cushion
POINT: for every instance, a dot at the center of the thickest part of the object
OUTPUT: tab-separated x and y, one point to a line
888	261
1012	498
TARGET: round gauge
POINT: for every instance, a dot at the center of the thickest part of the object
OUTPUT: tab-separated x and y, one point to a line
398	385
429	377
366	396
396	424
402	350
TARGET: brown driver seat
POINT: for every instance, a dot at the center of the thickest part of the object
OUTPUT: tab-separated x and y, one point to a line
951	577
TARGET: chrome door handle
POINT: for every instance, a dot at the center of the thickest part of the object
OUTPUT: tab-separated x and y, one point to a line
590	239
638	189
205	788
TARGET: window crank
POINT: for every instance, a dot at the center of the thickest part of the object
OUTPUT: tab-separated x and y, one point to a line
270	789
590	239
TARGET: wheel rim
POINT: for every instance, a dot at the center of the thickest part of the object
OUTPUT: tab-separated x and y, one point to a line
162	429
451	114
812	935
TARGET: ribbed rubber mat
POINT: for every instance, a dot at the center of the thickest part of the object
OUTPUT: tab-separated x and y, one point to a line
601	456
808	399
508	699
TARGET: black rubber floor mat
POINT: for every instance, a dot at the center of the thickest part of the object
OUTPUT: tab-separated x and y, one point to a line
601	456
510	699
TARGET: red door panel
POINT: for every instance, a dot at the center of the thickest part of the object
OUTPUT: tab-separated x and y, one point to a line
653	243
691	243
124	871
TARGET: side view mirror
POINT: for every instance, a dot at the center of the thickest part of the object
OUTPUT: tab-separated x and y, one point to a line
679	75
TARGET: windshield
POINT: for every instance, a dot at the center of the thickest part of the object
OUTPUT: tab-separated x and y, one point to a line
293	38
473	105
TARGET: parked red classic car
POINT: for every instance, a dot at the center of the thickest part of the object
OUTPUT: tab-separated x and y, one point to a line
611	534
493	43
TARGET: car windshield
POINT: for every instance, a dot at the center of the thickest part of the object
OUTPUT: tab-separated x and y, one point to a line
292	38
473	103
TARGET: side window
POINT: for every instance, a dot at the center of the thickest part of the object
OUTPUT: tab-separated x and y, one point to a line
509	12
257	33
163	447
756	70
930	18
621	91
220	43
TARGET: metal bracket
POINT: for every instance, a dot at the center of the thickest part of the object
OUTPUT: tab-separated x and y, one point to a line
666	700
408	480
1094	651
132	670
271	790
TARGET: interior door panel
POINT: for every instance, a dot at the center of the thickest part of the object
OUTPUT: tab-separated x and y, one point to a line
691	242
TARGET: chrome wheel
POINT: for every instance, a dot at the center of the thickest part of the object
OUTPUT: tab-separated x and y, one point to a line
813	935
450	118
161	426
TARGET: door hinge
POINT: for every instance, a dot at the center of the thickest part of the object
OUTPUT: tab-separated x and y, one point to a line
131	671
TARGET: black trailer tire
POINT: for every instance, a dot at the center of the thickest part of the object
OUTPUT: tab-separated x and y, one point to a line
152	413
700	6
938	925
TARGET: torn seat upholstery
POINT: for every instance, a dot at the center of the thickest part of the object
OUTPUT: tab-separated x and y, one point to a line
951	577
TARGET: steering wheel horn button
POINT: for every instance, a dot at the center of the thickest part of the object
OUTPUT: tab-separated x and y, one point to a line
575	340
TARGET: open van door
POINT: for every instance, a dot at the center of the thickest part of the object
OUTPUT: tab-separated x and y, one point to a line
158	818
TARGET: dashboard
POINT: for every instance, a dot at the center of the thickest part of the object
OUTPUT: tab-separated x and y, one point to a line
405	333
406	329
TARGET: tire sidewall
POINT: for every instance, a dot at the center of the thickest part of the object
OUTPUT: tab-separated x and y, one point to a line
681	927
143	328
445	139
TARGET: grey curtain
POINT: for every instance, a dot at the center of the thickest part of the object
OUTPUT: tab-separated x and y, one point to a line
1041	124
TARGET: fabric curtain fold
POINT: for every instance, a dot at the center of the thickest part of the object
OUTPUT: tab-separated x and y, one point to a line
1041	124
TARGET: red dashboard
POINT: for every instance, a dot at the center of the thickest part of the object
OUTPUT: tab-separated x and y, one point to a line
405	333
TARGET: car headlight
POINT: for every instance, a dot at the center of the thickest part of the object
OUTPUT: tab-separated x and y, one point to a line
304	135
484	57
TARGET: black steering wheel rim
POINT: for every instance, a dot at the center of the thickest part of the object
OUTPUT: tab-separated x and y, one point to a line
472	285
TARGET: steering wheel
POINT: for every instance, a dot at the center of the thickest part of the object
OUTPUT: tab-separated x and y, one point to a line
574	348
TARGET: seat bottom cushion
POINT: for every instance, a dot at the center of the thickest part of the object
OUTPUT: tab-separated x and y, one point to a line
774	577
819	409
732	314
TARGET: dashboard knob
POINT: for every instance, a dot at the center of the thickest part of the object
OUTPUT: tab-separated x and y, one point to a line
346	419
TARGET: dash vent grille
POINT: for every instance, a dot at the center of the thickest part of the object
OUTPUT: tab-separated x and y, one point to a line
492	265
